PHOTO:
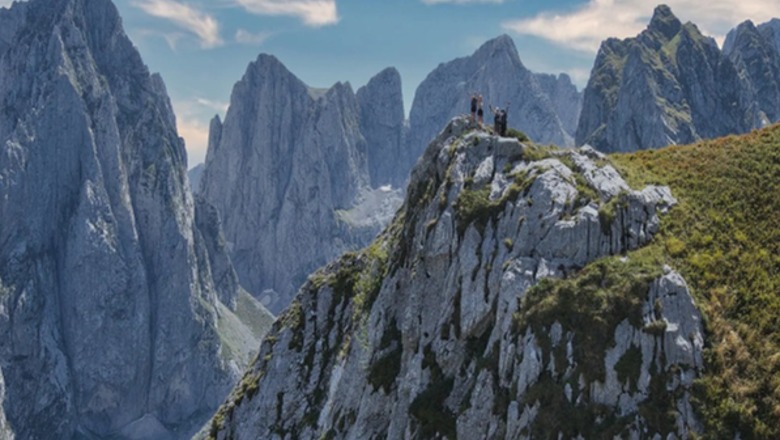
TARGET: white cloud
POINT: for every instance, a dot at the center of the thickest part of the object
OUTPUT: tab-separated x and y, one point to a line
245	37
216	106
460	2
313	13
199	23
5	3
586	27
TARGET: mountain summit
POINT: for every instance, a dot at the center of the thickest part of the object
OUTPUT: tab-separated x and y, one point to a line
495	71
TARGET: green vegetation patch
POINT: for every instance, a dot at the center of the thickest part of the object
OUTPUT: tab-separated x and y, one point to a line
591	304
725	240
517	134
475	206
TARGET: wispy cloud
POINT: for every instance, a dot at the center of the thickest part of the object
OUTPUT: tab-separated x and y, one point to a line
245	37
313	13
460	2
5	3
186	17
171	38
586	27
216	106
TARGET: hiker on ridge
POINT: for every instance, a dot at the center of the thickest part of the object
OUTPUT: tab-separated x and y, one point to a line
497	112
503	120
480	113
473	106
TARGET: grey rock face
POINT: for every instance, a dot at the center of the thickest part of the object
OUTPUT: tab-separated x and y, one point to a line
564	96
540	106
285	162
756	53
194	176
668	85
112	317
382	125
771	31
431	332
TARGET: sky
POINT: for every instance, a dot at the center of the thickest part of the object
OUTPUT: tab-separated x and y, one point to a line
202	47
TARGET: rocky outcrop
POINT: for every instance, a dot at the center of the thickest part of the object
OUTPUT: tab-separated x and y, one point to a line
120	316
755	52
669	85
285	164
512	297
540	106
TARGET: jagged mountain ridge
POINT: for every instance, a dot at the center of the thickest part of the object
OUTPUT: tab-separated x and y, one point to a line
290	172
444	326
755	52
544	106
673	85
122	314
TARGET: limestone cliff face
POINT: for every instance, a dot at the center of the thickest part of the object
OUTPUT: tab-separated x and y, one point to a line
382	124
564	96
119	313
289	169
512	297
540	106
755	52
668	85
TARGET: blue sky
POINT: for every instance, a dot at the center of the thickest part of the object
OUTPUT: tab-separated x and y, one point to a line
202	47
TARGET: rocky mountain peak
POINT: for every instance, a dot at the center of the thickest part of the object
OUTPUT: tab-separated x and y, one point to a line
501	46
382	123
771	31
753	51
495	71
745	28
664	22
668	85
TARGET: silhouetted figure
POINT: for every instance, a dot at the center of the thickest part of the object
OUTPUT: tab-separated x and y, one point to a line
480	112
503	120
496	119
473	106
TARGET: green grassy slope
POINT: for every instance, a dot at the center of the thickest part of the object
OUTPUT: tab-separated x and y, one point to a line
724	237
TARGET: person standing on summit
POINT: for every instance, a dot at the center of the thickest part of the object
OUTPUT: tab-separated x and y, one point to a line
503	122
480	112
473	106
496	119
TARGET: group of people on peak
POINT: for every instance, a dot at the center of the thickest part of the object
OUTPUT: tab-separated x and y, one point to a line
499	114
